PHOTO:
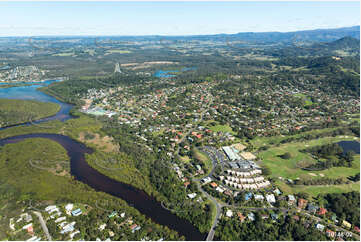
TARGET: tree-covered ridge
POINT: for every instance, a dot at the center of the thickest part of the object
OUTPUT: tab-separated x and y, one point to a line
20	111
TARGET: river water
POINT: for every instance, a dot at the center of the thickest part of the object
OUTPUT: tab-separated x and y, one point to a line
88	175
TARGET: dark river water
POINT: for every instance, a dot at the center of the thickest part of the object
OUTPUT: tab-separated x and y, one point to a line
350	145
86	174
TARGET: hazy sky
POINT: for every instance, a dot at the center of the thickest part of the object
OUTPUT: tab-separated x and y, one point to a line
171	18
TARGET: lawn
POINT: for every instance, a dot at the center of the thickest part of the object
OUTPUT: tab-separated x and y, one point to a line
222	128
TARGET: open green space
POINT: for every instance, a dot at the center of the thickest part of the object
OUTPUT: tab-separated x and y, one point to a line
19	111
216	127
306	99
291	168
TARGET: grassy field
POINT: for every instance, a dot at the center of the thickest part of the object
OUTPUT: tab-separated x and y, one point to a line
321	189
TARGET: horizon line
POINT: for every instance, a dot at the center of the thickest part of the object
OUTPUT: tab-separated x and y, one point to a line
186	35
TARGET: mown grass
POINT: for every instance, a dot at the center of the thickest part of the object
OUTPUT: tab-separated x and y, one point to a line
289	168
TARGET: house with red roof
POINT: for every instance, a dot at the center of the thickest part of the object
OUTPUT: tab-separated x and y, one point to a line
322	211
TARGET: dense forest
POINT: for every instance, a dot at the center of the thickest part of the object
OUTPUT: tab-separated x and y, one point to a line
345	205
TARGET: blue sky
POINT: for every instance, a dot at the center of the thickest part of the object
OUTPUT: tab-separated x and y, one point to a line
171	18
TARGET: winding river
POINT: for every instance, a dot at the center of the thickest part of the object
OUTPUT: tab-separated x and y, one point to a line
80	169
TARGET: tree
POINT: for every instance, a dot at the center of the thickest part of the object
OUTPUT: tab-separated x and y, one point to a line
286	156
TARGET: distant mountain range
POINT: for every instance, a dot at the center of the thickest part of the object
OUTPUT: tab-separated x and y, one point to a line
305	36
247	38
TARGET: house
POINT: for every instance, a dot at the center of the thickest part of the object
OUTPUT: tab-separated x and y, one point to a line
114	213
302	203
76	212
312	208
258	197
69	207
251	216
206	180
133	226
220	190
320	227
136	228
291	200
330	233
322	211
30	230
102	227
264	216
187	183
214	185
58	220
270	198
274	216
27	226
192	195
346	224
248	196
241	217
229	213
357	229
297	218
51	207
228	193
277	192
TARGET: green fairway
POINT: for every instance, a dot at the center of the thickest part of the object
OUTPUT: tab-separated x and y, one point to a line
290	168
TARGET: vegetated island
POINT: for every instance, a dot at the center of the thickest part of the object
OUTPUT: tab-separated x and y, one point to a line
14	112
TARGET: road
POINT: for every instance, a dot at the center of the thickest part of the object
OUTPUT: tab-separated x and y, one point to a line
43	225
219	207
